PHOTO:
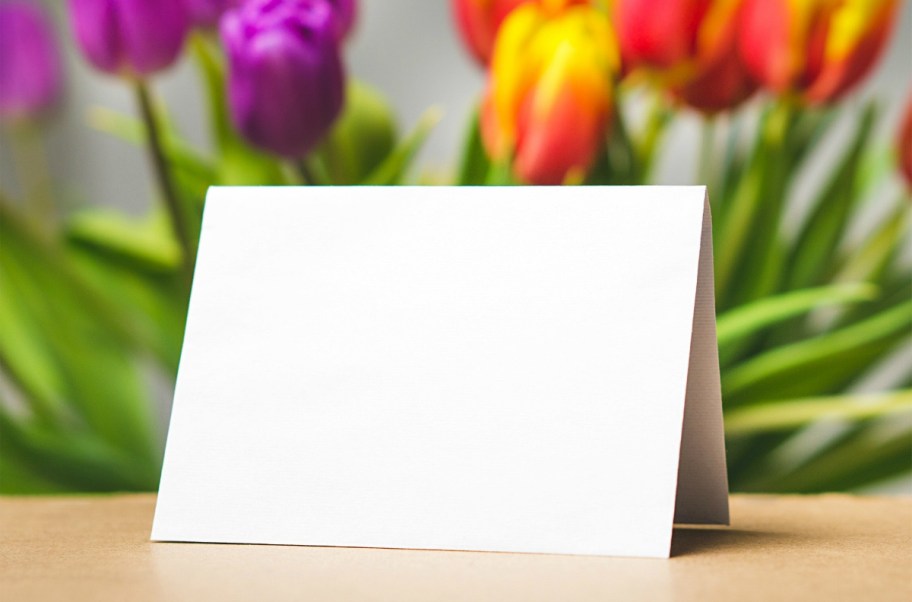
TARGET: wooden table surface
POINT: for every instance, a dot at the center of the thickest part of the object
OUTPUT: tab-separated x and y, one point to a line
779	548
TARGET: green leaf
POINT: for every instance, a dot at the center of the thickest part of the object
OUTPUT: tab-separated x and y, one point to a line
749	233
820	364
474	166
211	63
795	413
148	243
895	289
736	326
750	251
86	337
619	162
25	358
500	173
69	460
869	453
869	260
361	139
810	261
155	303
652	134
392	170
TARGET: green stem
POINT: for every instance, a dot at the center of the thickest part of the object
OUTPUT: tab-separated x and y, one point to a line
653	132
623	155
41	406
305	172
205	49
707	151
163	175
500	173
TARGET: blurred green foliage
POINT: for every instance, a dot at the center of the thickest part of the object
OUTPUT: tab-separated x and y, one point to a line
92	308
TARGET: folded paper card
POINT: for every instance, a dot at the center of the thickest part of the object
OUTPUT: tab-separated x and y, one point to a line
500	369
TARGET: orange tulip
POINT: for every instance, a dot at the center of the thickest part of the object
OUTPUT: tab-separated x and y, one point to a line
689	45
550	91
905	145
817	48
479	21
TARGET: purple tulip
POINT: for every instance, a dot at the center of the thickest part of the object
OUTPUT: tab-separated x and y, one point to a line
286	83
206	13
130	37
345	16
31	78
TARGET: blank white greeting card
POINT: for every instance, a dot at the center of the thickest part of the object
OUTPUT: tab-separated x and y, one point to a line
492	369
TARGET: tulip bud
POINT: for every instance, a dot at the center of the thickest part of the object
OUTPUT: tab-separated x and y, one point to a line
345	16
658	33
286	83
550	91
715	79
30	71
817	48
905	144
478	22
206	13
130	37
690	46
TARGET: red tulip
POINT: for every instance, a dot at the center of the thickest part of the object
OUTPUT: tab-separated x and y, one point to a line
716	78
689	46
819	49
658	33
550	92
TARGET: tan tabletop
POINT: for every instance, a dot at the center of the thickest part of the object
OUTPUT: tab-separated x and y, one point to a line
778	548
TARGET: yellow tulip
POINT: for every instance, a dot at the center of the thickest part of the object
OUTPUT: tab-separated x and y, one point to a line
550	91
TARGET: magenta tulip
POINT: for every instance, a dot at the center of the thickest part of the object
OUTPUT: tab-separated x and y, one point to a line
206	13
30	74
130	37
345	11
286	82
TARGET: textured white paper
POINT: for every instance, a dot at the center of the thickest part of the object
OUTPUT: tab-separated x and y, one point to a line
499	369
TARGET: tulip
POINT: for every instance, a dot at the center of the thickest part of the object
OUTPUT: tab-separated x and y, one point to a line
905	144
286	83
658	33
134	38
818	49
688	45
550	92
206	13
345	15
478	22
715	78
30	72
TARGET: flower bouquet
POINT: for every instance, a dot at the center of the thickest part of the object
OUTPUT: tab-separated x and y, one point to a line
815	312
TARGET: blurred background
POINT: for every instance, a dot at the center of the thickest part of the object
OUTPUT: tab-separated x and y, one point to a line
415	55
409	50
